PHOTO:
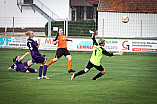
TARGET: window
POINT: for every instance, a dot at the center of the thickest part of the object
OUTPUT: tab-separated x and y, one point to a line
90	12
73	15
28	1
80	13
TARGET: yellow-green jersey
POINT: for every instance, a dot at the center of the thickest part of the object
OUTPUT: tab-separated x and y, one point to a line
98	52
96	56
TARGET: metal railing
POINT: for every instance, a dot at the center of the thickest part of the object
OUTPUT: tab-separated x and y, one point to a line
37	4
46	10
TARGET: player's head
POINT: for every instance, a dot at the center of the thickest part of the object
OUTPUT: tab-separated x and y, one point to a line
30	34
60	31
101	42
16	58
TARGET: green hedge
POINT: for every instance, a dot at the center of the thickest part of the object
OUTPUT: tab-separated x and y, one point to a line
75	28
59	24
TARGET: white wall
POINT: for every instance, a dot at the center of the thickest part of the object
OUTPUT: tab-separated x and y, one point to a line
28	17
110	25
59	7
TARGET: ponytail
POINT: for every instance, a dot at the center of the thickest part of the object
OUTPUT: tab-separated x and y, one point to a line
14	59
28	33
57	34
58	31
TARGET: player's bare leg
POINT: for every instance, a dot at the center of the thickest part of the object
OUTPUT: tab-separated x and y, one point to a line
52	61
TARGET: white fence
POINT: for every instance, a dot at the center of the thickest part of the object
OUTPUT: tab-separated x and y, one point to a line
140	25
18	22
106	27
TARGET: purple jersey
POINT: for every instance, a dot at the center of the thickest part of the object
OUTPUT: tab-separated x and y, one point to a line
32	45
22	67
19	66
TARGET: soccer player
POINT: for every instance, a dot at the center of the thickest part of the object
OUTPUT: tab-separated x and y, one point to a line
22	67
33	47
61	39
95	59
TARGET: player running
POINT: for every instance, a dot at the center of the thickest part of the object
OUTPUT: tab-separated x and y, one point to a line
33	47
22	67
95	59
61	39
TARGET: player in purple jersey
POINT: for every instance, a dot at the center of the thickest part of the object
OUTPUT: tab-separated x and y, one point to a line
22	67
33	47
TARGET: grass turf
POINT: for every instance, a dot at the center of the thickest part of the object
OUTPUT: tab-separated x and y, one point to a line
129	79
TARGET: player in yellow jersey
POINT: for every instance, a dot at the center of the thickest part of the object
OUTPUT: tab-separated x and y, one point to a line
61	39
94	61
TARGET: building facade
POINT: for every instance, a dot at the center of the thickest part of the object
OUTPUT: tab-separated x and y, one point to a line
29	13
142	18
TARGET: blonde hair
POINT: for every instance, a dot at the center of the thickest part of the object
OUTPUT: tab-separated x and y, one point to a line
101	41
28	33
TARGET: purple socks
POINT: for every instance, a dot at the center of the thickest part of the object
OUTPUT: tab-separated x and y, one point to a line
40	71
44	70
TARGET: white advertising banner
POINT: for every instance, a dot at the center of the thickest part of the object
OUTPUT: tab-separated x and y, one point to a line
83	44
144	46
13	42
76	44
46	43
87	45
112	45
138	45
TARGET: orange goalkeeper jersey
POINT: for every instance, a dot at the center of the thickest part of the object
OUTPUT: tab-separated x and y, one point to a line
62	41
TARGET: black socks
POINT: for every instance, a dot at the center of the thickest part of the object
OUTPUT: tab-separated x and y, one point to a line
98	75
80	73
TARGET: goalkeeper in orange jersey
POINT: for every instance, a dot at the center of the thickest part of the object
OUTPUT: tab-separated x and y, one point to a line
94	61
61	39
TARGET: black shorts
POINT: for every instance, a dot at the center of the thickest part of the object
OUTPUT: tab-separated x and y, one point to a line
90	65
31	70
62	51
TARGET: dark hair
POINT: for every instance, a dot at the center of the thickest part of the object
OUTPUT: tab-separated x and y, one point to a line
101	41
58	31
14	59
57	34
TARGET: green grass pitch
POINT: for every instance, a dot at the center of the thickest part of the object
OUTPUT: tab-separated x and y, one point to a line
129	79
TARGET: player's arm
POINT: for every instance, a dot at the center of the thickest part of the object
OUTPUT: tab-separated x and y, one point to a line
21	58
38	43
69	40
9	68
55	42
94	41
106	53
35	43
119	53
110	54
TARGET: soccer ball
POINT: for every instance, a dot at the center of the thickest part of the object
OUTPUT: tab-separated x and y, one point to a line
125	19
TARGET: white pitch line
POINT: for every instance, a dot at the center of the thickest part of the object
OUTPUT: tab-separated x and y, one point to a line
28	79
